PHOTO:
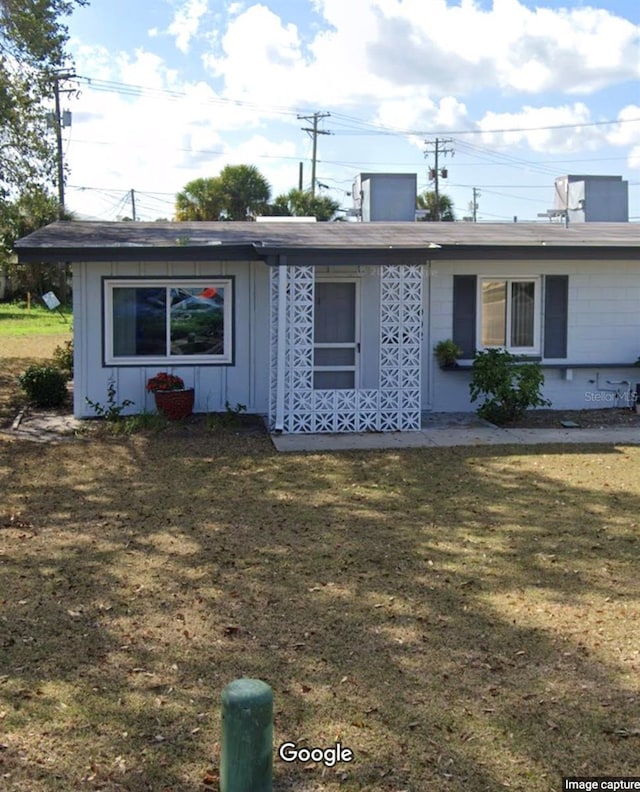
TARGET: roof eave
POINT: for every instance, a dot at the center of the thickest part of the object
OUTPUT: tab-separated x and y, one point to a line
75	254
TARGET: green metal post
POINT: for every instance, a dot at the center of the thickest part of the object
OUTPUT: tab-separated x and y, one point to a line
246	749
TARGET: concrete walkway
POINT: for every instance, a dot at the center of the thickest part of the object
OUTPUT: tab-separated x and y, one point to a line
455	435
43	427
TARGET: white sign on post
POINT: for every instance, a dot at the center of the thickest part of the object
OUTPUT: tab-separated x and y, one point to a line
51	301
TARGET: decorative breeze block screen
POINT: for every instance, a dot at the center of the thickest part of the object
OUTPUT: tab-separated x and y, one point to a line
395	405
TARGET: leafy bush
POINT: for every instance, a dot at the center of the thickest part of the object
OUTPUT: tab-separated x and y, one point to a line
63	357
45	386
509	387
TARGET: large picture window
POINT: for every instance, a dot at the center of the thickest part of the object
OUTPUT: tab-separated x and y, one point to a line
509	314
169	321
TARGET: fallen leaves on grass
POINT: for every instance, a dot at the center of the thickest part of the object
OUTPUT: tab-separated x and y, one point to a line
466	635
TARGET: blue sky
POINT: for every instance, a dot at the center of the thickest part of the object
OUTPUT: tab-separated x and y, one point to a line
173	90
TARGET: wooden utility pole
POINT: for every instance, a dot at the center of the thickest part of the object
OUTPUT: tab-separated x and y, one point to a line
314	132
474	205
59	161
60	75
438	146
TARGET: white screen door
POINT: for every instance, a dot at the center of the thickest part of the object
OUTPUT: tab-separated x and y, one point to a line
335	335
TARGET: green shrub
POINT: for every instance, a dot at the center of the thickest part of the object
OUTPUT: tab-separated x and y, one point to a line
63	357
45	386
509	387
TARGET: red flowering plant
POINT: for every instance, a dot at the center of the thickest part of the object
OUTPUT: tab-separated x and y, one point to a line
165	382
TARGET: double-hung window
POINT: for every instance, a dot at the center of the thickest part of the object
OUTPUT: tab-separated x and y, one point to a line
509	314
168	321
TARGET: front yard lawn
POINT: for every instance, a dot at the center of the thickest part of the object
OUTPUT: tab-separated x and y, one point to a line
18	320
461	619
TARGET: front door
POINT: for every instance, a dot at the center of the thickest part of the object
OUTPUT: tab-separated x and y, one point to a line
336	344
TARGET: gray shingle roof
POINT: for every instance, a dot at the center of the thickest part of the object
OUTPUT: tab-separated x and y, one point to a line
79	239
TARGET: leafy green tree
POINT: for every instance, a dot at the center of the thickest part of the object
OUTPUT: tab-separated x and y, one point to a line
240	192
301	203
33	209
427	200
33	42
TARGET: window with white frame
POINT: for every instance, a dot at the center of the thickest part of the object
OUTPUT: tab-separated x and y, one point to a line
174	321
509	314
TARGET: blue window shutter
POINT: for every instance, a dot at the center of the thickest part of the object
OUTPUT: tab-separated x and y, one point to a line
556	304
464	313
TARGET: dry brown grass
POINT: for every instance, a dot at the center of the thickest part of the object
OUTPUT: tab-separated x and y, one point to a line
463	619
30	347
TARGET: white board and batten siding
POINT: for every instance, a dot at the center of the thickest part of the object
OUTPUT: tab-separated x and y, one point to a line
244	382
603	327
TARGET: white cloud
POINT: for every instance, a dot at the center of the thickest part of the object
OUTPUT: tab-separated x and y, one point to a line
535	127
404	64
144	69
451	114
627	132
186	22
375	48
260	57
460	47
156	141
420	113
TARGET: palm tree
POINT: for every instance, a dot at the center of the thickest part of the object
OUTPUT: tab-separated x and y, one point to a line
240	192
301	203
200	199
245	192
442	209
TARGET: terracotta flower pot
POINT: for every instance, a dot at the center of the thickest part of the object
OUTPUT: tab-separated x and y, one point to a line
175	404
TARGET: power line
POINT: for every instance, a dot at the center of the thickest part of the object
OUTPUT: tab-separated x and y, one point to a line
498	157
485	156
371	129
509	195
129	89
213	152
365	127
